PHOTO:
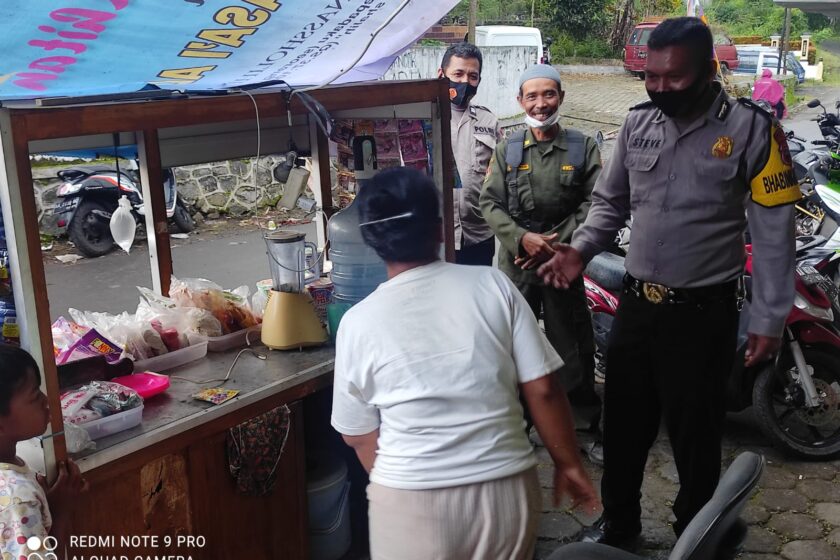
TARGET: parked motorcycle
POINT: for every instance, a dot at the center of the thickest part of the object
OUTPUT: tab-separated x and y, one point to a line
796	396
89	194
829	123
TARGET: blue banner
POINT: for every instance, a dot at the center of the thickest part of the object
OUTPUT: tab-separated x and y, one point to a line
85	47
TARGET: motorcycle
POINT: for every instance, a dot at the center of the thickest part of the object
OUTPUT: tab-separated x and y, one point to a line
829	123
797	396
89	195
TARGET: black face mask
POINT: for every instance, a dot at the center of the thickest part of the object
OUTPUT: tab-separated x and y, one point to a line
677	103
461	93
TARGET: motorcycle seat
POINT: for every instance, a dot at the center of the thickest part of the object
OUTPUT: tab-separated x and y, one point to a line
713	533
73	173
607	270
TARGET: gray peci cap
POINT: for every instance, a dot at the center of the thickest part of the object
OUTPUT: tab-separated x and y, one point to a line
540	71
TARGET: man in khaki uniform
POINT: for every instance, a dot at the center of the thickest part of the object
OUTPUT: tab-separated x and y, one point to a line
537	191
474	132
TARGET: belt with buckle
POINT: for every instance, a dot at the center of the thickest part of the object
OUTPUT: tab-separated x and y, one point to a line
659	293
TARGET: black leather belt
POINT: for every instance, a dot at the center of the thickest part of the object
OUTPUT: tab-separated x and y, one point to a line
658	293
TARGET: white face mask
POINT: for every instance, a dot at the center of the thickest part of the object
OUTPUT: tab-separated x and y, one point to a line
543	125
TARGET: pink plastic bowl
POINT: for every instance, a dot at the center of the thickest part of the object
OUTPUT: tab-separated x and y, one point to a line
146	384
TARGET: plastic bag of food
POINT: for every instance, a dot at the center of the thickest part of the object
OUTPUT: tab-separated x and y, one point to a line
123	329
197	320
258	303
230	308
97	399
77	439
170	325
92	343
65	333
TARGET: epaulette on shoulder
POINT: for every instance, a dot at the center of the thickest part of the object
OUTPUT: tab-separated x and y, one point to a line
643	105
481	108
749	103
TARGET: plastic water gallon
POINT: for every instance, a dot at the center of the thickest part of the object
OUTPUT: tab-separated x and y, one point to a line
357	269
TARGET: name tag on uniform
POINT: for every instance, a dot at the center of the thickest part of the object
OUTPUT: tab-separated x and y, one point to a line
567	168
524	167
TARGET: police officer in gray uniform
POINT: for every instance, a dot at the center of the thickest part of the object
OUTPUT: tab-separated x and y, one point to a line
474	130
685	167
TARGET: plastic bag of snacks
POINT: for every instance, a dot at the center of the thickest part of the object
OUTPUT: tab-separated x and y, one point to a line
96	400
92	343
229	307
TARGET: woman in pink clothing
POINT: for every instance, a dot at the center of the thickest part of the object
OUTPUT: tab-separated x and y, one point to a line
769	90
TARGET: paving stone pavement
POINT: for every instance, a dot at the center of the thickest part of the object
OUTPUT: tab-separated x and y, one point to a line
794	513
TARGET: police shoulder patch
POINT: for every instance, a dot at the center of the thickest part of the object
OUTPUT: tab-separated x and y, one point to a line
775	183
751	105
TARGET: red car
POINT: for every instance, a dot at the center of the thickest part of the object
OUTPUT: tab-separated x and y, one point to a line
635	53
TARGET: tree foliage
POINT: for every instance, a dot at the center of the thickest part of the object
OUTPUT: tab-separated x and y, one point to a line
600	28
755	17
578	19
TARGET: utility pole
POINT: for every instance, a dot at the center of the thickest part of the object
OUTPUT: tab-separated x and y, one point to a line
532	12
781	67
473	16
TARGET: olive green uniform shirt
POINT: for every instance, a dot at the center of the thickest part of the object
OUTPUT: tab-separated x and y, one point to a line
553	196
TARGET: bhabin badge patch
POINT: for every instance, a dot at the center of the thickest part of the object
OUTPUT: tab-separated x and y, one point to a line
775	184
723	147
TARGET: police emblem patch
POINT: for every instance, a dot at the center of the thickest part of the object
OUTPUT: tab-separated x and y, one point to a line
723	147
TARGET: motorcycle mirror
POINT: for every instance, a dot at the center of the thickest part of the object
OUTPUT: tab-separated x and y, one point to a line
813	103
281	170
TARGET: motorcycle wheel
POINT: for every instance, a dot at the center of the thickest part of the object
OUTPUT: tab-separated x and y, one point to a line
90	233
182	218
784	419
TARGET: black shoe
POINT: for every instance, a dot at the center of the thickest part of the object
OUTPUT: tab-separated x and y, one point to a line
602	532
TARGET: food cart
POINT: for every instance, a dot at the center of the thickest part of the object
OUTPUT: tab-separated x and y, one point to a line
164	488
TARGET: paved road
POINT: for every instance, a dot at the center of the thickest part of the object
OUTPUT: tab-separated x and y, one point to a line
231	258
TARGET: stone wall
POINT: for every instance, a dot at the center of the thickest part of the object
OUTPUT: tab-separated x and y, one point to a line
499	76
224	187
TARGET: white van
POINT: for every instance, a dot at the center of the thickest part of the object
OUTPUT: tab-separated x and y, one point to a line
509	36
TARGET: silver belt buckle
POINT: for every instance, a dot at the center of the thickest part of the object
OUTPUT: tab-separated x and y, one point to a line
654	293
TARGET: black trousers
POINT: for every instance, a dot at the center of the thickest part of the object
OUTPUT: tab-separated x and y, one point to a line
479	254
672	361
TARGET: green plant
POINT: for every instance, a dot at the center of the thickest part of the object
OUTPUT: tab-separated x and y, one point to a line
565	47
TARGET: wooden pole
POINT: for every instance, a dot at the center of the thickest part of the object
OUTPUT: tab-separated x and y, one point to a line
154	199
471	23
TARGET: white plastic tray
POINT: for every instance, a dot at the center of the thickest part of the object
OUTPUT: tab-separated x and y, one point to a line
115	423
170	360
233	340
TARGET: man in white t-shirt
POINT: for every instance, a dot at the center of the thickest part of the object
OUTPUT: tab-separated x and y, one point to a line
427	377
